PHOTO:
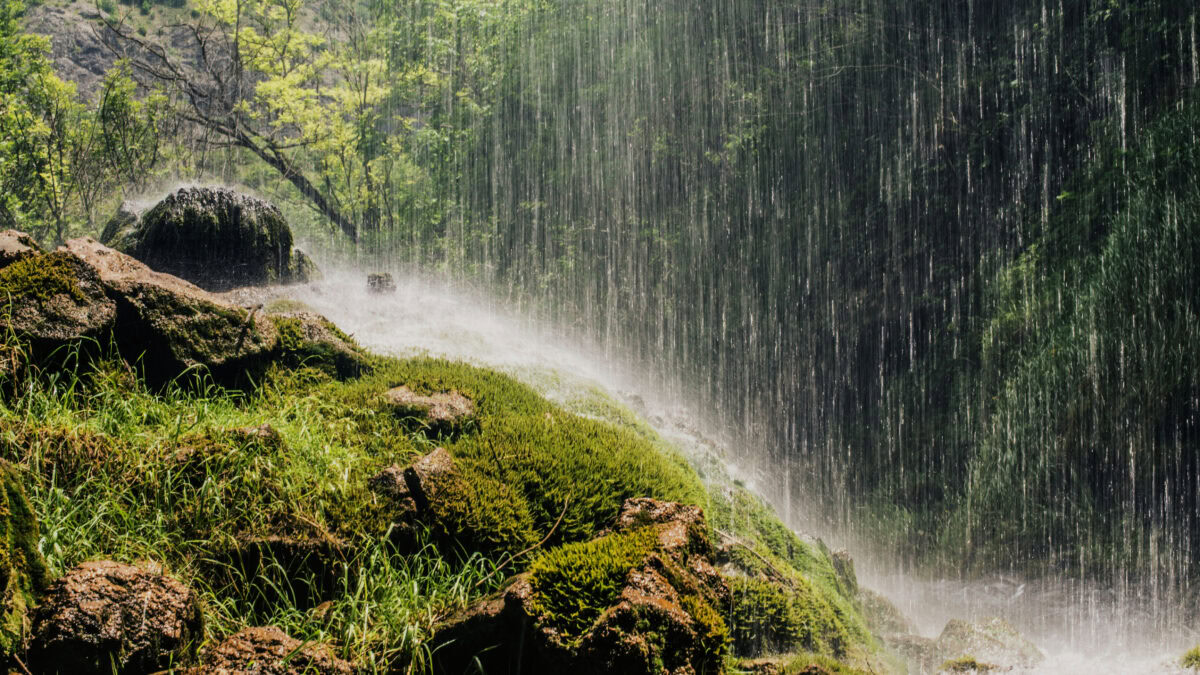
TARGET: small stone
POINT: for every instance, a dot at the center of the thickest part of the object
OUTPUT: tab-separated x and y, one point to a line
106	613
443	413
381	283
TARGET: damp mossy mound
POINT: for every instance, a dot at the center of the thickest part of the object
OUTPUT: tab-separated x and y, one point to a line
259	500
215	238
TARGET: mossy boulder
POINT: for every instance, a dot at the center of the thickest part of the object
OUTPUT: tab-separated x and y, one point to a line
169	325
643	598
53	299
214	237
105	615
22	571
309	339
993	640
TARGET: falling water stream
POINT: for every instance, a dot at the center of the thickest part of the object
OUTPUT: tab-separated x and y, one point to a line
1082	628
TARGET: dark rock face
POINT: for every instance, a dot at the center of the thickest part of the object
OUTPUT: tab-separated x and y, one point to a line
106	614
22	571
269	651
445	413
215	238
662	618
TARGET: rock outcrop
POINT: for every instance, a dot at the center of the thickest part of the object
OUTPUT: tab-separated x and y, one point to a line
641	599
22	571
105	615
215	238
87	294
269	651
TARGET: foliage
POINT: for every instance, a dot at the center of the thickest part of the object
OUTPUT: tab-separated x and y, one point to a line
59	158
1191	660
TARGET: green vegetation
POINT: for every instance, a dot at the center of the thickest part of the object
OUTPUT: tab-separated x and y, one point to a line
965	664
22	571
39	278
268	522
575	582
1191	660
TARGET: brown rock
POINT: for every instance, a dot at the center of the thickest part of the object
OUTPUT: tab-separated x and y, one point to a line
105	613
16	246
173	325
51	299
269	651
444	413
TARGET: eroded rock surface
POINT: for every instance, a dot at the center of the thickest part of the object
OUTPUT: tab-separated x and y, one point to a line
15	246
105	614
269	651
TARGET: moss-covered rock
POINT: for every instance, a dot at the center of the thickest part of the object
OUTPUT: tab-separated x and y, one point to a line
641	599
54	299
458	501
307	339
213	237
22	571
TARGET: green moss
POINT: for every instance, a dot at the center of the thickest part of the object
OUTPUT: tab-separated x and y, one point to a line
1191	660
712	631
573	584
771	618
965	664
41	277
22	570
808	664
286	306
481	513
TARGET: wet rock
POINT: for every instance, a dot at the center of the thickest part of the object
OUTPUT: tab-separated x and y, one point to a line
171	325
16	246
52	299
843	566
309	339
381	283
883	618
106	614
659	617
269	651
440	414
22	571
992	640
120	232
216	238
